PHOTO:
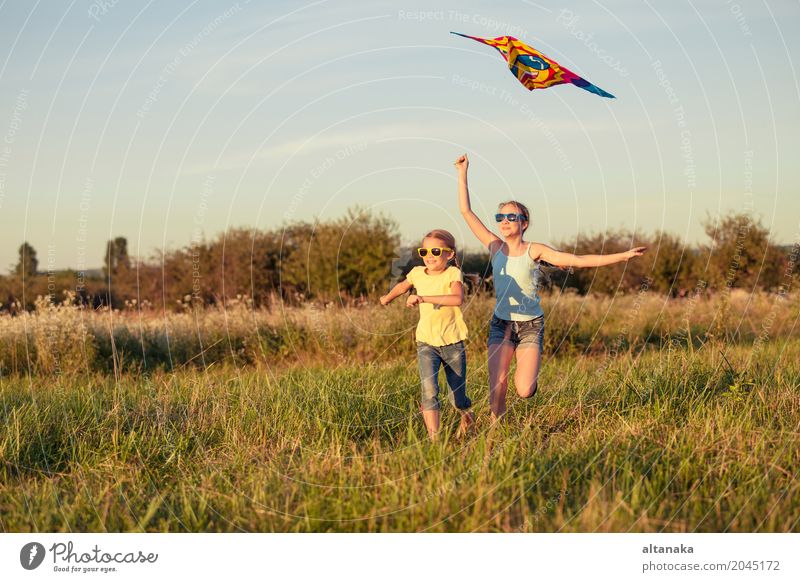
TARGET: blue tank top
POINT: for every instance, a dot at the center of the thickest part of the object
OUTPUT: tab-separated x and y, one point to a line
516	281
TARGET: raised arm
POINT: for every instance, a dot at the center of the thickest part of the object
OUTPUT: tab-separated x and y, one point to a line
540	252
487	237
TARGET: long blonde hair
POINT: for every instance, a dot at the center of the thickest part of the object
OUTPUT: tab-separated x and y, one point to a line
448	239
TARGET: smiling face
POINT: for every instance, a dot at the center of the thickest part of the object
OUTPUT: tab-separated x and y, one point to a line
508	228
435	264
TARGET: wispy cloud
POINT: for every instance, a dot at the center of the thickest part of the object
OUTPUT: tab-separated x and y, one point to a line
310	145
449	130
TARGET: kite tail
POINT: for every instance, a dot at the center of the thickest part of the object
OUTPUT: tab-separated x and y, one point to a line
481	40
591	88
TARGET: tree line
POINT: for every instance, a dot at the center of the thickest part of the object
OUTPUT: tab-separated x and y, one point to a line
359	255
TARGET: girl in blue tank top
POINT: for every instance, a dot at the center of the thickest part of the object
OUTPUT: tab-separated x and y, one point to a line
517	326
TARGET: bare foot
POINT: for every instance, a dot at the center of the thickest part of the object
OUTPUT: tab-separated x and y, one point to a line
467	420
498	419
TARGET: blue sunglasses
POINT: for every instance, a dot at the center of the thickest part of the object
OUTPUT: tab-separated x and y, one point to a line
510	217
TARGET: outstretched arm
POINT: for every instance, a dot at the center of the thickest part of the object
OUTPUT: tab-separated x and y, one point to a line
487	237
540	252
397	291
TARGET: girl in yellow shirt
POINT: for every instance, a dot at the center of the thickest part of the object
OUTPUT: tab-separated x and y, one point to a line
441	330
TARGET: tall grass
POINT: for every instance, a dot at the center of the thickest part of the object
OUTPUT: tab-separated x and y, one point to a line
653	415
63	339
678	439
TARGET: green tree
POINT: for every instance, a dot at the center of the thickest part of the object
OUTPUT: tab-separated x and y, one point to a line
242	261
625	276
27	264
116	258
478	263
671	265
365	253
740	253
347	257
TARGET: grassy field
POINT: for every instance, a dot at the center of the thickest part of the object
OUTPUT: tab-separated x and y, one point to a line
651	416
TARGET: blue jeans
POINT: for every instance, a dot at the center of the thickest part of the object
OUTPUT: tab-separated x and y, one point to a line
454	359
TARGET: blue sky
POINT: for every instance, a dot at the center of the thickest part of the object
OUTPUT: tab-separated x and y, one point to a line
164	122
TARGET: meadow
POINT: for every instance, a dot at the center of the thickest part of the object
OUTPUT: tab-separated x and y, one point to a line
652	415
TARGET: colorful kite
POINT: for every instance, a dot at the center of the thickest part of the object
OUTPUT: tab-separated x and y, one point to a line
532	68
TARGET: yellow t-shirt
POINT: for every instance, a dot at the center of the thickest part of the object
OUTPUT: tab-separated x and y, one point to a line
438	325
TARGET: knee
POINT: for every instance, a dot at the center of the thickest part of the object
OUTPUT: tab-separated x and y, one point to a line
528	391
498	382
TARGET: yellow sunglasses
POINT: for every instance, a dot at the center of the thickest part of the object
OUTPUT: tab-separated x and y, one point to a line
435	251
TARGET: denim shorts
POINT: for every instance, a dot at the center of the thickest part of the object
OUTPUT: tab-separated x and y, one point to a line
517	333
454	359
